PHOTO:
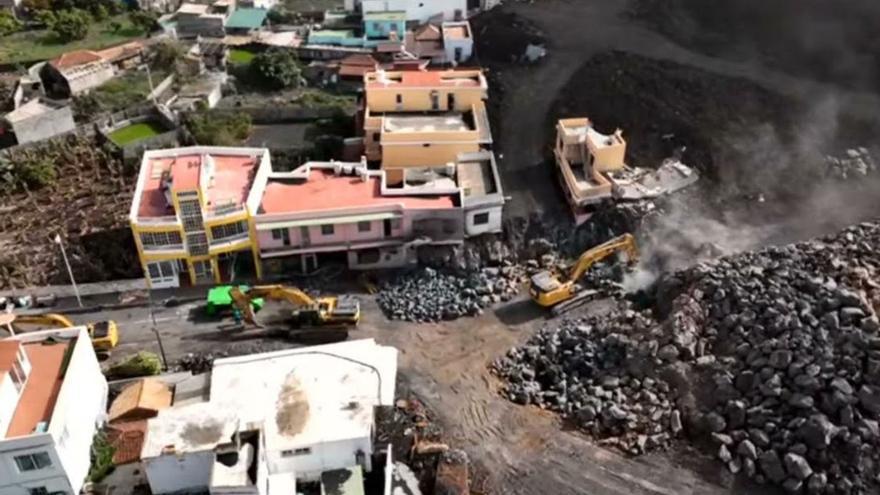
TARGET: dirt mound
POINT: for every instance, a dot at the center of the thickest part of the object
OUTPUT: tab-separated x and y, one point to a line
827	41
503	36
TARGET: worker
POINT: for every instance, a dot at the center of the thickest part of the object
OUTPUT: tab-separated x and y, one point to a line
237	317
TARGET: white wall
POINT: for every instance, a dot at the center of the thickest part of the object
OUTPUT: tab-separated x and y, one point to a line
13	482
493	226
466	45
324	457
8	401
172	473
81	405
389	257
419	10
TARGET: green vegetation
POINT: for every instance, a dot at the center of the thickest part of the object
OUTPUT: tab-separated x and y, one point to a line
312	5
143	20
43	44
218	128
68	25
240	56
141	364
37	166
8	24
136	132
167	54
277	68
101	457
319	98
132	88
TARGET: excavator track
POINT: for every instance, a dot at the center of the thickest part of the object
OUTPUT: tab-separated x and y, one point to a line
580	299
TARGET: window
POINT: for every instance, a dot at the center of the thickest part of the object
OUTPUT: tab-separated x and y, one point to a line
365	226
377	27
300	451
377	137
277	234
229	230
399	98
327	229
368	256
32	462
481	218
282	235
38	490
161	239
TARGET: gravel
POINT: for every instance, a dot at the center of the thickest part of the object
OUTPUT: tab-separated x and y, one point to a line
771	357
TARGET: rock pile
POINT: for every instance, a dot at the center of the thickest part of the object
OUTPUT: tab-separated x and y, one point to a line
428	295
771	356
596	377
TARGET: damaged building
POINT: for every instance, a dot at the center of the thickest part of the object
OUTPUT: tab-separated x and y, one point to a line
591	168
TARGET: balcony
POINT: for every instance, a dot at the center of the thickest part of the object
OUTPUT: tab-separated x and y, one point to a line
224	210
238	241
168	220
165	249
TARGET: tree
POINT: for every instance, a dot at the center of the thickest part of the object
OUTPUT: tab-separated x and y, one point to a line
71	24
218	129
167	53
8	24
277	68
34	6
99	12
143	20
115	26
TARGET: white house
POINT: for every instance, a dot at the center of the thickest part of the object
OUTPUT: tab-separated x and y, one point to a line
273	419
52	399
416	10
458	41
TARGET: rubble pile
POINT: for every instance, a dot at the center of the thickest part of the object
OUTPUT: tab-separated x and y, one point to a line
856	163
429	295
595	376
771	357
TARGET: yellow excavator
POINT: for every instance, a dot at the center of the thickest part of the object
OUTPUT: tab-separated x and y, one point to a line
341	311
104	334
561	294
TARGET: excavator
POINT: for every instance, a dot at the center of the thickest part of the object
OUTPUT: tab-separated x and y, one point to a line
328	311
104	334
564	293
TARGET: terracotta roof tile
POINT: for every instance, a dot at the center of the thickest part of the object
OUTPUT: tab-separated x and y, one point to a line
76	58
127	440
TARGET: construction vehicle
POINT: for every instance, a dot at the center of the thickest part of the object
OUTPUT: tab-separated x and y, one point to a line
104	334
219	301
342	311
564	293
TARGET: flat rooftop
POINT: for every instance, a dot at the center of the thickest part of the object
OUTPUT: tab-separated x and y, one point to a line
229	178
400	122
37	400
326	191
476	178
424	79
456	32
33	108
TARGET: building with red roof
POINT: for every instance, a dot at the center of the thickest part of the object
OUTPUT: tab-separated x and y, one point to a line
52	398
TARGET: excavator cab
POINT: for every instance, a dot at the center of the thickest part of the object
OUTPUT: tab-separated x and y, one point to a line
551	290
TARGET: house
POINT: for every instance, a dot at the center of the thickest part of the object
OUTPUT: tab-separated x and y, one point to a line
205	91
591	168
52	399
420	11
76	72
424	118
458	41
273	421
246	21
354	67
125	56
39	119
196	19
344	211
385	25
426	42
191	214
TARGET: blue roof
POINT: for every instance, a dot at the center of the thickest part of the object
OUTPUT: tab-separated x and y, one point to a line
247	18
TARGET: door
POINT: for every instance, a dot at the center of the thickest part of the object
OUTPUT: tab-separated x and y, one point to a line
163	274
450	101
304	235
458	54
435	101
387	227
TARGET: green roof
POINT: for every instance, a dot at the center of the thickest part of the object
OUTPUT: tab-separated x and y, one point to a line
247	18
392	15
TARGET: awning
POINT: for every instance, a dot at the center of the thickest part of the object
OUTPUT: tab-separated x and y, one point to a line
367	217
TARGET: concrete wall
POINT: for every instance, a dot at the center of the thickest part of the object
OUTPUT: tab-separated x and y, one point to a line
173	473
420	99
44	126
8	401
389	257
419	10
384	28
53	478
323	457
466	45
97	74
342	234
80	406
424	154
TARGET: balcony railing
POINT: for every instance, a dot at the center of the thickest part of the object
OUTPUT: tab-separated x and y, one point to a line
163	248
223	210
227	241
168	219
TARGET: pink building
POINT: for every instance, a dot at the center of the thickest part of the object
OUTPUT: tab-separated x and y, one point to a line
344	212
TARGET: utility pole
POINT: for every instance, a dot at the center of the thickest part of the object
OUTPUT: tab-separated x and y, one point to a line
155	329
69	270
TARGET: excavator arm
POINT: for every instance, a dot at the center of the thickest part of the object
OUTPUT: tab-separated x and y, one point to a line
625	243
242	300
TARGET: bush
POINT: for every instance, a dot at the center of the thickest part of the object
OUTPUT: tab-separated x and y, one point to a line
167	54
143	19
277	68
218	129
8	24
70	25
101	458
141	364
37	172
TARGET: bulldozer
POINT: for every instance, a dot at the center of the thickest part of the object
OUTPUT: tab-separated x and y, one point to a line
104	334
328	311
562	293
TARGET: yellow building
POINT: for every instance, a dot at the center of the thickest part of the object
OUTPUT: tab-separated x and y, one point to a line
192	214
427	118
